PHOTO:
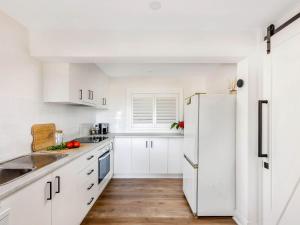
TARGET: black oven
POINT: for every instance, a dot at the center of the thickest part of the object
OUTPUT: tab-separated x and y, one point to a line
103	166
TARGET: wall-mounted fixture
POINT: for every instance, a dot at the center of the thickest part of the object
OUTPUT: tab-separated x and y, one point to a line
240	83
155	5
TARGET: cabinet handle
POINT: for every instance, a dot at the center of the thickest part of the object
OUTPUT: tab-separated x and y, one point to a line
151	144
58	185
104	101
90	202
146	144
80	94
50	190
89	173
89	158
92	93
90	187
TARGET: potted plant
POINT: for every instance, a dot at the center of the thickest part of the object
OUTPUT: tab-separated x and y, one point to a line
178	125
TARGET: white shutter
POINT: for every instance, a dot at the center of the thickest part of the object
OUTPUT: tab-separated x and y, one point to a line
142	110
166	110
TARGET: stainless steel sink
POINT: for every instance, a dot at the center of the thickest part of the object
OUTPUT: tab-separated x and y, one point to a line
23	165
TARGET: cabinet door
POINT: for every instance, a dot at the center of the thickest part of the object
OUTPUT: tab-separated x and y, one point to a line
175	155
30	206
159	155
65	203
140	155
122	155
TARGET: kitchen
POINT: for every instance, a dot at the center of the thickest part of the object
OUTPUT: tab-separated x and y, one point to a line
127	69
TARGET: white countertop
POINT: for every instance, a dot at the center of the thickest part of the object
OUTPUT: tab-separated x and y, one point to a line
19	183
169	135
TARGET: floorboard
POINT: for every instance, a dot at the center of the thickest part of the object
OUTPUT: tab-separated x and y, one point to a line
146	202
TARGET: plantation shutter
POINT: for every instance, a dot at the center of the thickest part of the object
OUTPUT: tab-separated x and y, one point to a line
142	110
166	110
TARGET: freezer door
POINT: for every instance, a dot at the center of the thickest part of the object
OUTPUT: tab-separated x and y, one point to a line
190	184
191	117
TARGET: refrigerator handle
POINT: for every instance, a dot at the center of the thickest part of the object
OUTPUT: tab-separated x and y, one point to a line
260	128
195	166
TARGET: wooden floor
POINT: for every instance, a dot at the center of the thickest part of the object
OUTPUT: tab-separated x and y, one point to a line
146	202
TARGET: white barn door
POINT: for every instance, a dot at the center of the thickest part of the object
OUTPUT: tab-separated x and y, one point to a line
281	182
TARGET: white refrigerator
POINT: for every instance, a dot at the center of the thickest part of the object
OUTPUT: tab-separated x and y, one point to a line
209	154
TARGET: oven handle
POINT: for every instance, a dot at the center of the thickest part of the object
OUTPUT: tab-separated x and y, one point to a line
103	156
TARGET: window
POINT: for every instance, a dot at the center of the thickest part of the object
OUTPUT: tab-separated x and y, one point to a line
153	110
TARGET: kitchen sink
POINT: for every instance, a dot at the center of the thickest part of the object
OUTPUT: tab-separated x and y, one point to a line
18	167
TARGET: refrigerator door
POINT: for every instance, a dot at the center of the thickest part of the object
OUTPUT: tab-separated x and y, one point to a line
191	118
216	175
190	177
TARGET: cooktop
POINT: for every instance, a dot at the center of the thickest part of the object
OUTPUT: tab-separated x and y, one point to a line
95	139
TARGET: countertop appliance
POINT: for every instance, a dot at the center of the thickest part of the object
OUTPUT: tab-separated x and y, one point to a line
102	128
92	139
209	154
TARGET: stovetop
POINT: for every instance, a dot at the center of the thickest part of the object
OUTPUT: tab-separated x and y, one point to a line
95	139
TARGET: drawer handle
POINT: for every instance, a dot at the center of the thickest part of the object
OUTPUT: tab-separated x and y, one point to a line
90	202
89	158
89	173
90	187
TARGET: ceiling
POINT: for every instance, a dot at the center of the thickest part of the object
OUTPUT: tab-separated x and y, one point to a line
138	15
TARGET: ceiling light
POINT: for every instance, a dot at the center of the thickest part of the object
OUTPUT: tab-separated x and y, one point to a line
155	5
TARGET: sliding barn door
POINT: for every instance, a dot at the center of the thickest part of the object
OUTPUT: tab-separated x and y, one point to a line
281	182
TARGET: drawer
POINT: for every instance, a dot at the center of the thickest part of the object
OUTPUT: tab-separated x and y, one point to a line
89	173
89	159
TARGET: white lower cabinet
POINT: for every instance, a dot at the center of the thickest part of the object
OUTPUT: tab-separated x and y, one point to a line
122	156
65	205
147	156
63	197
158	151
140	155
31	205
175	155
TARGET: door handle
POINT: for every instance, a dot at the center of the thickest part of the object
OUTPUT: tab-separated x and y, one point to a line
260	128
58	184
80	94
50	191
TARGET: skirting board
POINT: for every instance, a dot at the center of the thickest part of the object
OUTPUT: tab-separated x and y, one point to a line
141	176
241	220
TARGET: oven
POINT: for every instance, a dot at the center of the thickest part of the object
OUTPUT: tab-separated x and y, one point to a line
103	166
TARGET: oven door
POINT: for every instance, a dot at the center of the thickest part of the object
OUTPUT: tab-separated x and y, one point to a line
104	166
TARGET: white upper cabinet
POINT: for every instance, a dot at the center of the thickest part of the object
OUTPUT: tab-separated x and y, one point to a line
158	155
82	84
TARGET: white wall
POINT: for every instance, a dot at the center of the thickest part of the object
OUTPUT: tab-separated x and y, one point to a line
103	46
21	95
210	78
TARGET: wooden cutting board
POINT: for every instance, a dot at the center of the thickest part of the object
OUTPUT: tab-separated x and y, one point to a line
43	136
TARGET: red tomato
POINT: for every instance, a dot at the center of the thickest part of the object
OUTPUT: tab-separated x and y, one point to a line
76	144
70	144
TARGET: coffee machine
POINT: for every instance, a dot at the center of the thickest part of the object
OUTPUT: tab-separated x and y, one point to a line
102	128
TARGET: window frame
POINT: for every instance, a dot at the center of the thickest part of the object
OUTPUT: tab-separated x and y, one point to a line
153	92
